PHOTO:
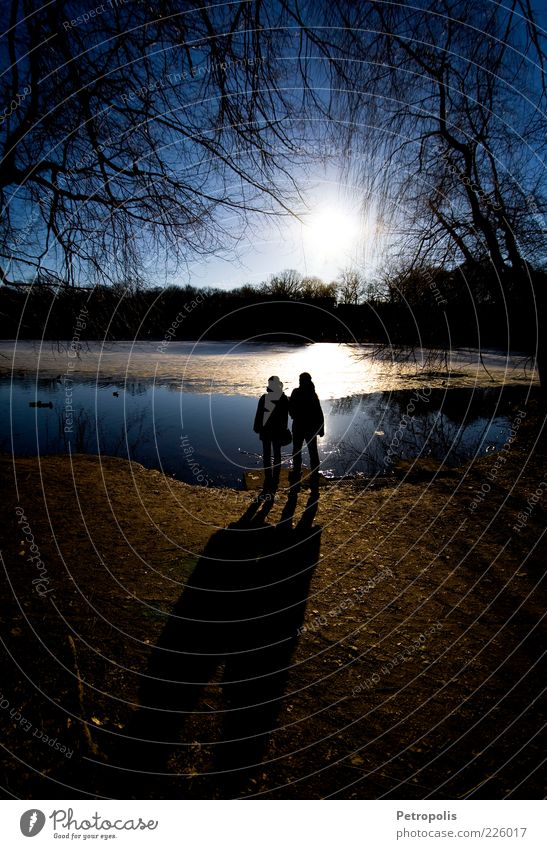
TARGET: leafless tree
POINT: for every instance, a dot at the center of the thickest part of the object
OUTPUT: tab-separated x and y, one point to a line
315	287
451	102
134	130
351	286
142	131
284	284
440	108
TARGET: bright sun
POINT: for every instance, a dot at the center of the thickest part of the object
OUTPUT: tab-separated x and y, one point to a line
330	234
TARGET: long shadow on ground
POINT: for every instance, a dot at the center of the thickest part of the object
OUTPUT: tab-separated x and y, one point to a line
239	613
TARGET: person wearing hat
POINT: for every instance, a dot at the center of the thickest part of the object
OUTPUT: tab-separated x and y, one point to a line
270	423
308	424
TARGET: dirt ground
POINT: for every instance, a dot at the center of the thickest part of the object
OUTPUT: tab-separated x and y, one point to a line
381	641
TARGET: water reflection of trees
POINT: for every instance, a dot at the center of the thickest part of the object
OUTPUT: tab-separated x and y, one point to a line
137	387
349	404
97	434
432	436
446	426
455	403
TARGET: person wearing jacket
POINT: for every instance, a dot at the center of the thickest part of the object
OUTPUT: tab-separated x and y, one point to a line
270	423
308	424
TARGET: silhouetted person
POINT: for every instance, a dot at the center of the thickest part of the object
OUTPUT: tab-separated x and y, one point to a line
271	425
308	424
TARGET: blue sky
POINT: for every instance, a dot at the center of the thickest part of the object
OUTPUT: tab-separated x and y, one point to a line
333	237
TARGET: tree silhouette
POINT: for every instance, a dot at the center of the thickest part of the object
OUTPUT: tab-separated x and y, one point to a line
131	131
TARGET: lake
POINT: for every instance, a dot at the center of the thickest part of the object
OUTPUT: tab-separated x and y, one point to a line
188	411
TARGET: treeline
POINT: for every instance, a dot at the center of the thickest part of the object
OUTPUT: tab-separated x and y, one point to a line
428	307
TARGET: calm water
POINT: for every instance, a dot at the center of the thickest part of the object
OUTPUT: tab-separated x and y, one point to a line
207	437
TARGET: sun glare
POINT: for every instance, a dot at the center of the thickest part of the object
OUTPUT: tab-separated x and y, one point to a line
330	234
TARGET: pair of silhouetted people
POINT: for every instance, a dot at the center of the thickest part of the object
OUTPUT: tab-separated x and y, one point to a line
271	424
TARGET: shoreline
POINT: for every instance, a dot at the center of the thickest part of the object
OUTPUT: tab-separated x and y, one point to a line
492	407
420	589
